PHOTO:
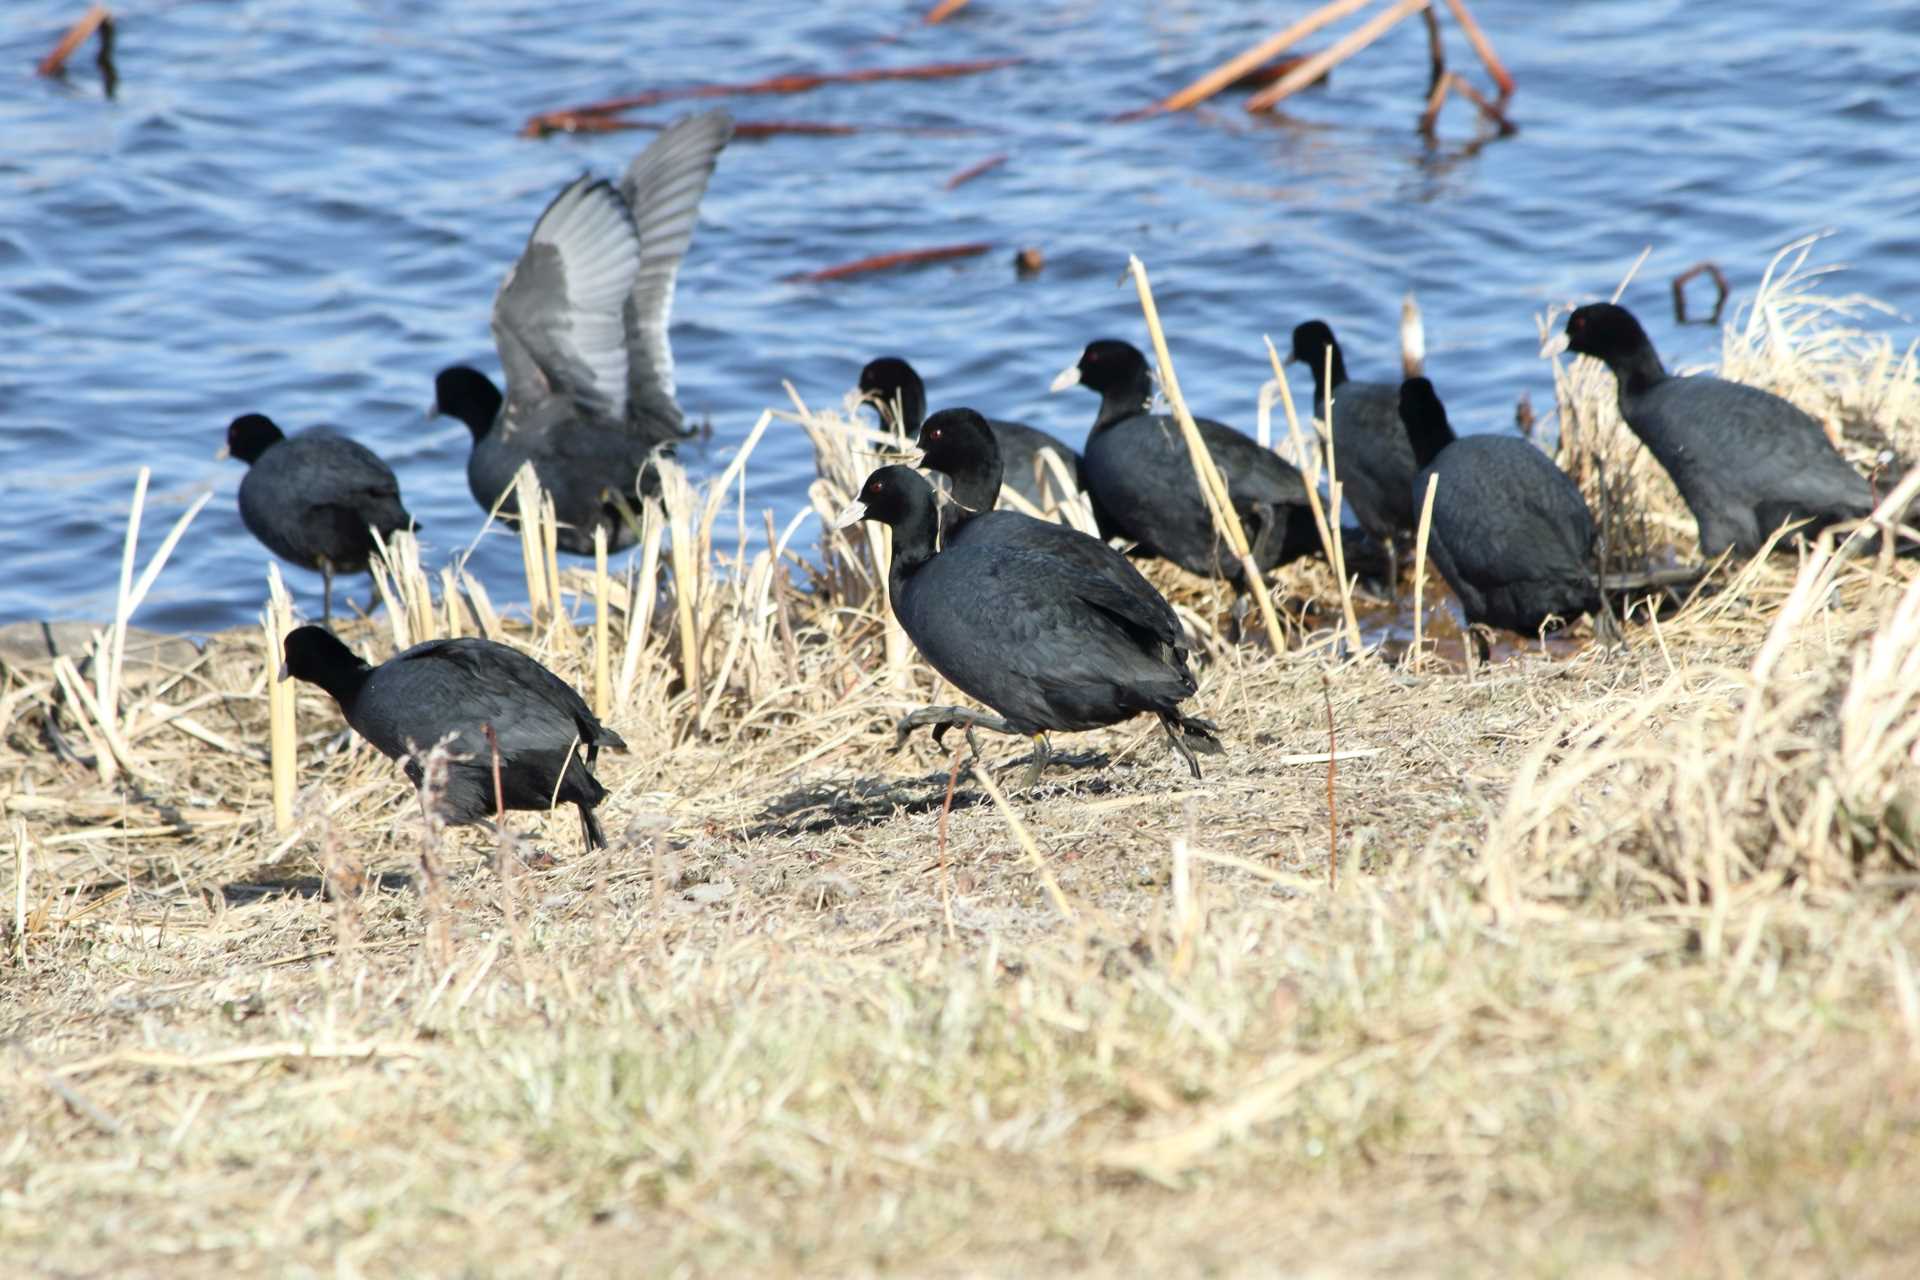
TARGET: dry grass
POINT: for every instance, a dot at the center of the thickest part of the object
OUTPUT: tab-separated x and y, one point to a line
1618	977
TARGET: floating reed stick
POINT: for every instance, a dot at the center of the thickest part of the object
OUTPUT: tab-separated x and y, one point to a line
1420	565
973	171
1231	70
1348	45
1484	47
1212	487
1327	537
944	10
282	727
888	262
566	118
89	22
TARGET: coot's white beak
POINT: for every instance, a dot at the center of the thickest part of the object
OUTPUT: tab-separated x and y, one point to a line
1556	345
284	673
1069	377
433	410
222	454
851	514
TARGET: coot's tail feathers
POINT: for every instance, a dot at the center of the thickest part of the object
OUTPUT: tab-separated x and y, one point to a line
663	187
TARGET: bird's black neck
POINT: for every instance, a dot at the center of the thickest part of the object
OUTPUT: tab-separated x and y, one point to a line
344	681
1118	403
1638	369
976	480
1319	364
913	545
1428	431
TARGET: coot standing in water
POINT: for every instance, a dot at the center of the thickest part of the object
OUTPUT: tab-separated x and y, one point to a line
581	326
1511	534
1046	644
1745	460
314	498
894	389
449	691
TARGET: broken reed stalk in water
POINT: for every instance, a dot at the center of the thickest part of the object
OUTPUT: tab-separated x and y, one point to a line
1212	487
1231	70
1312	485
1420	566
1348	45
282	735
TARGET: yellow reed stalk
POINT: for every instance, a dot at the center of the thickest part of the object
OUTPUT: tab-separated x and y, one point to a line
1227	72
602	690
450	598
677	497
484	615
282	734
533	560
1327	539
1027	844
1212	487
21	857
642	595
1337	552
1342	49
1420	565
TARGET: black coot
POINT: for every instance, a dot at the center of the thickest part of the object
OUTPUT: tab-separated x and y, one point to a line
314	497
1511	534
1137	469
1745	460
960	445
452	688
1370	450
1031	634
581	326
893	388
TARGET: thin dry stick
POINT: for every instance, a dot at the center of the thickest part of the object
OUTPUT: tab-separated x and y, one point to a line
1026	843
602	686
946	807
1337	552
1333	814
20	865
1212	487
1484	47
1420	566
889	261
973	171
1232	69
944	10
282	728
1348	45
1413	338
1313	494
56	62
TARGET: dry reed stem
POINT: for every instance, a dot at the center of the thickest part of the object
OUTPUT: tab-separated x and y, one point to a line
1212	486
1484	47
1330	539
1425	530
1239	65
282	726
76	35
1320	63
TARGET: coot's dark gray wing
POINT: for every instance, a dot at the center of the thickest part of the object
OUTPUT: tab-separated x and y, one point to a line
557	318
1253	474
1020	447
445	686
1507	514
663	187
1373	457
1103	575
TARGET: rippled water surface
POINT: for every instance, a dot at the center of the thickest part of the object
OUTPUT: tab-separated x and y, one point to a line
305	210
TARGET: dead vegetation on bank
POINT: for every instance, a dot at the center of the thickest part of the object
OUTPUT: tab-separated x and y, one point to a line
1618	975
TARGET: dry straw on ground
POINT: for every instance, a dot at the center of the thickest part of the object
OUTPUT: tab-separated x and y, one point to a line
1618	977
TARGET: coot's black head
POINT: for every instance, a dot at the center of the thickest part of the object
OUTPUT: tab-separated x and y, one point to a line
468	395
316	655
1425	419
893	495
890	381
956	439
1106	366
1608	332
250	435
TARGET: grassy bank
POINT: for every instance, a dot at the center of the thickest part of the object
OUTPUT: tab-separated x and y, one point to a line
1614	973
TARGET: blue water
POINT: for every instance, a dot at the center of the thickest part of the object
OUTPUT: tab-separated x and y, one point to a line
304	209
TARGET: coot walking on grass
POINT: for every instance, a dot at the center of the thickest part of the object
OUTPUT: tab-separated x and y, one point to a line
451	689
960	444
1511	534
1137	469
314	497
894	389
1371	455
1035	636
581	326
1745	460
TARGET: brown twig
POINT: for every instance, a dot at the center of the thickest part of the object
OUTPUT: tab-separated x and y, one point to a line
1491	110
90	21
1261	77
946	807
1436	98
1333	814
973	171
1348	45
1482	46
1234	68
888	261
1686	277
548	121
944	10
